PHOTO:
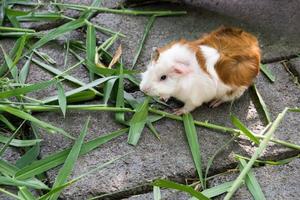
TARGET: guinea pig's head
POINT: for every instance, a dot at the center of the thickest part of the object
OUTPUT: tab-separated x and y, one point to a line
166	71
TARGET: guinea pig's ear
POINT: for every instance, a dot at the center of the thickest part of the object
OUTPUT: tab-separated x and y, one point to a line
155	54
181	68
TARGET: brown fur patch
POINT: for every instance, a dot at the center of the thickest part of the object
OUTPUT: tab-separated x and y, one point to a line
239	52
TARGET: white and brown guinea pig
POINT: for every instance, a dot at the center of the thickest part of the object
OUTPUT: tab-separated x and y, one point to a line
216	68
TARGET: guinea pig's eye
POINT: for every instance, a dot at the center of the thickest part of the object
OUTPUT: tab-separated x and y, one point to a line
163	77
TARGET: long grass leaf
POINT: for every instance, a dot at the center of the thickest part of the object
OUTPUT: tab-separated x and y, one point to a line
2	150
108	89
69	164
251	182
256	154
270	162
26	89
7	123
25	194
7	169
141	43
26	116
91	46
192	138
96	169
30	156
67	27
62	100
80	89
11	66
267	72
13	29
137	123
58	158
19	143
28	183
7	193
37	17
238	124
120	116
262	104
180	187
3	8
89	13
25	70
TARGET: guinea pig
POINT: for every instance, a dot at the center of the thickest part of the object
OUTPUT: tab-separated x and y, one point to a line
216	68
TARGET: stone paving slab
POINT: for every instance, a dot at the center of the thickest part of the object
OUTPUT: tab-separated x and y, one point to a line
277	182
294	65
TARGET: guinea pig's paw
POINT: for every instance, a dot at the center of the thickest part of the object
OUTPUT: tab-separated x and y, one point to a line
215	103
180	111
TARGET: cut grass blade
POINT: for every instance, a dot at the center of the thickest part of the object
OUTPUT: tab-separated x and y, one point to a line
62	100
91	47
194	145
120	116
7	123
25	70
37	17
11	66
69	164
25	194
7	168
256	154
137	123
96	169
80	89
269	162
2	150
12	29
67	27
141	43
20	46
7	193
216	190
156	193
26	116
30	156
267	72
238	124
44	57
3	8
211	159
121	11
108	89
26	89
262	104
19	143
58	158
89	13
251	182
180	187
31	183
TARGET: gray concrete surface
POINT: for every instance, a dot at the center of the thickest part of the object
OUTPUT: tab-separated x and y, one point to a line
170	157
294	65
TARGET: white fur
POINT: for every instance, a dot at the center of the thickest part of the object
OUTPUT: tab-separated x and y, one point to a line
193	88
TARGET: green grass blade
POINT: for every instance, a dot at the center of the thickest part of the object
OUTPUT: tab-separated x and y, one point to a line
89	13
61	187
108	89
14	12
91	46
7	193
44	57
156	193
25	194
270	162
67	27
256	154
69	164
192	138
267	72
80	89
153	129
211	159
37	17
217	190
7	123
60	73
2	150
26	116
238	124
137	123
7	169
56	159
262	104
251	182
19	143
12	29
20	45
26	89
11	66
32	183
141	43
30	156
62	100
180	187
25	70
3	8
120	116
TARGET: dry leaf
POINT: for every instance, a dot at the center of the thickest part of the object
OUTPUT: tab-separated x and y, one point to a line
116	57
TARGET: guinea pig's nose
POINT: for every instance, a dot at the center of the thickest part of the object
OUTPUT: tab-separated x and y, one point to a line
145	89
